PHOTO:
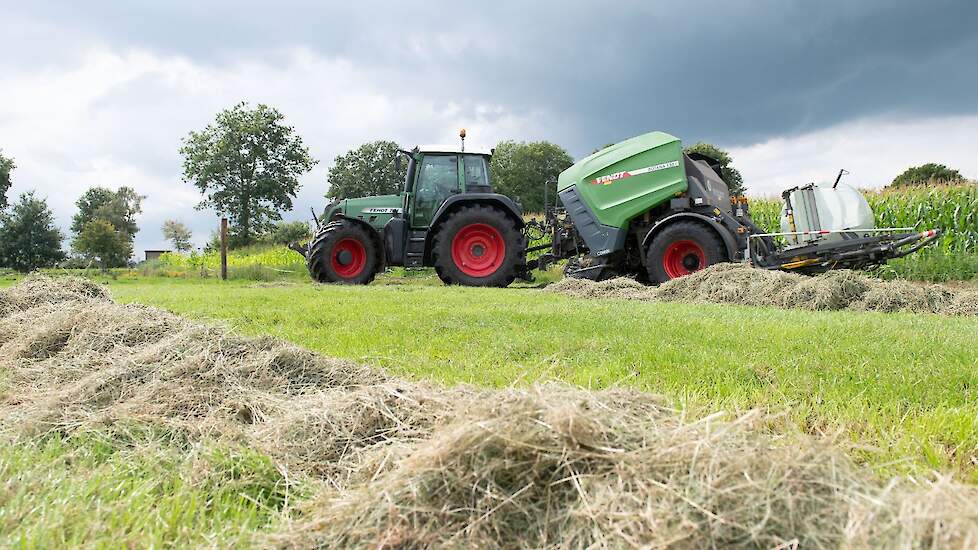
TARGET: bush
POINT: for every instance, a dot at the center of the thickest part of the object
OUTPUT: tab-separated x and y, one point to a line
929	173
288	233
730	175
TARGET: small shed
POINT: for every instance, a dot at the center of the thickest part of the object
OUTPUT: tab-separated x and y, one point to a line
155	254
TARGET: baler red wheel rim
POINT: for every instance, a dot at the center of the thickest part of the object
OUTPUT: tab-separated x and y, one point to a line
682	258
356	261
478	250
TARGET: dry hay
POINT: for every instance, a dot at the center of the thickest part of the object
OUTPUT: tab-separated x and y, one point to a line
349	435
558	467
725	284
621	287
36	290
964	303
394	463
903	296
86	361
730	283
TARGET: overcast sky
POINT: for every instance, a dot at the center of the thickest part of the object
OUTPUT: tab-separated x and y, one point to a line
102	93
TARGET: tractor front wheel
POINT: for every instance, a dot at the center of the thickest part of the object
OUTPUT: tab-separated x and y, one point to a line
683	248
478	246
343	252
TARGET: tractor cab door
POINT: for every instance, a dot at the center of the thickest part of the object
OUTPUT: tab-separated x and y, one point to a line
437	179
476	174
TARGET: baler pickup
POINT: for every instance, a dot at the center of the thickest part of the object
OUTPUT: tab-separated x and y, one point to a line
856	250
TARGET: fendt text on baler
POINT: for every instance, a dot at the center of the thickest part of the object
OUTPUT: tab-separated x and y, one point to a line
640	208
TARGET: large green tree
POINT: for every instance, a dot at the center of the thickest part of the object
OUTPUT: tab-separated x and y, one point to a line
116	210
119	208
522	170
368	170
735	182
29	239
247	165
6	166
930	173
99	241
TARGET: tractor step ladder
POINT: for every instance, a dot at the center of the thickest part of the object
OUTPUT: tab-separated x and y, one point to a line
414	255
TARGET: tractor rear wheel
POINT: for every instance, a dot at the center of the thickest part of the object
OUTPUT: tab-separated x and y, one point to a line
343	252
478	246
683	248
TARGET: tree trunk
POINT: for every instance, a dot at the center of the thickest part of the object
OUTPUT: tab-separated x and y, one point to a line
245	218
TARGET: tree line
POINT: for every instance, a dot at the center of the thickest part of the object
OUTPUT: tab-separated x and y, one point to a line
103	230
247	164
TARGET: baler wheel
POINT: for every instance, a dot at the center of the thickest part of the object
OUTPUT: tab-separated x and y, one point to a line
683	248
478	246
343	252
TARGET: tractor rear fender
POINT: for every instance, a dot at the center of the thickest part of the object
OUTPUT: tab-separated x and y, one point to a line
729	242
502	202
374	235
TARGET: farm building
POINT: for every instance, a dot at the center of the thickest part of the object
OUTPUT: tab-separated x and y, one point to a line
155	254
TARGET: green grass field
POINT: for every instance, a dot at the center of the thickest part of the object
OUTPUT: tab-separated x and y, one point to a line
98	490
902	384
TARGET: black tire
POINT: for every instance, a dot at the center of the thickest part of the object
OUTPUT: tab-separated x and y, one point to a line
461	238
335	254
682	248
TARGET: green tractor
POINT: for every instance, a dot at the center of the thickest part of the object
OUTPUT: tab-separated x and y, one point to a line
447	217
641	208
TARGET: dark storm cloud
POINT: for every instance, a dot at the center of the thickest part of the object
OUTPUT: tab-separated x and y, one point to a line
732	72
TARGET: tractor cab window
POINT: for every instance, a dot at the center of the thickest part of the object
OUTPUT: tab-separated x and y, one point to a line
437	180
476	173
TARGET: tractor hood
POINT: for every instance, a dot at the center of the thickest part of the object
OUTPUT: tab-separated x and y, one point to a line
376	211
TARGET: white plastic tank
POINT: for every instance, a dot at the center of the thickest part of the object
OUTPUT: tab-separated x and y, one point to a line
822	207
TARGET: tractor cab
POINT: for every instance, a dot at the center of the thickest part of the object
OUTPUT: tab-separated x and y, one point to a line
434	174
437	173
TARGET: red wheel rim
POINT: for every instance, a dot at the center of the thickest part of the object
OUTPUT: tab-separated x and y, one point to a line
478	250
682	258
349	258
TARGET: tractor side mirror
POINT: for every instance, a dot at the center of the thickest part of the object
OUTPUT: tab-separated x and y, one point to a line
397	163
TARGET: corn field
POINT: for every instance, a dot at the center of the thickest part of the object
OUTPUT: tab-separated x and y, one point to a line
277	256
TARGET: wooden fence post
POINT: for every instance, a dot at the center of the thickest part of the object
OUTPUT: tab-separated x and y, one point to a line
224	249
